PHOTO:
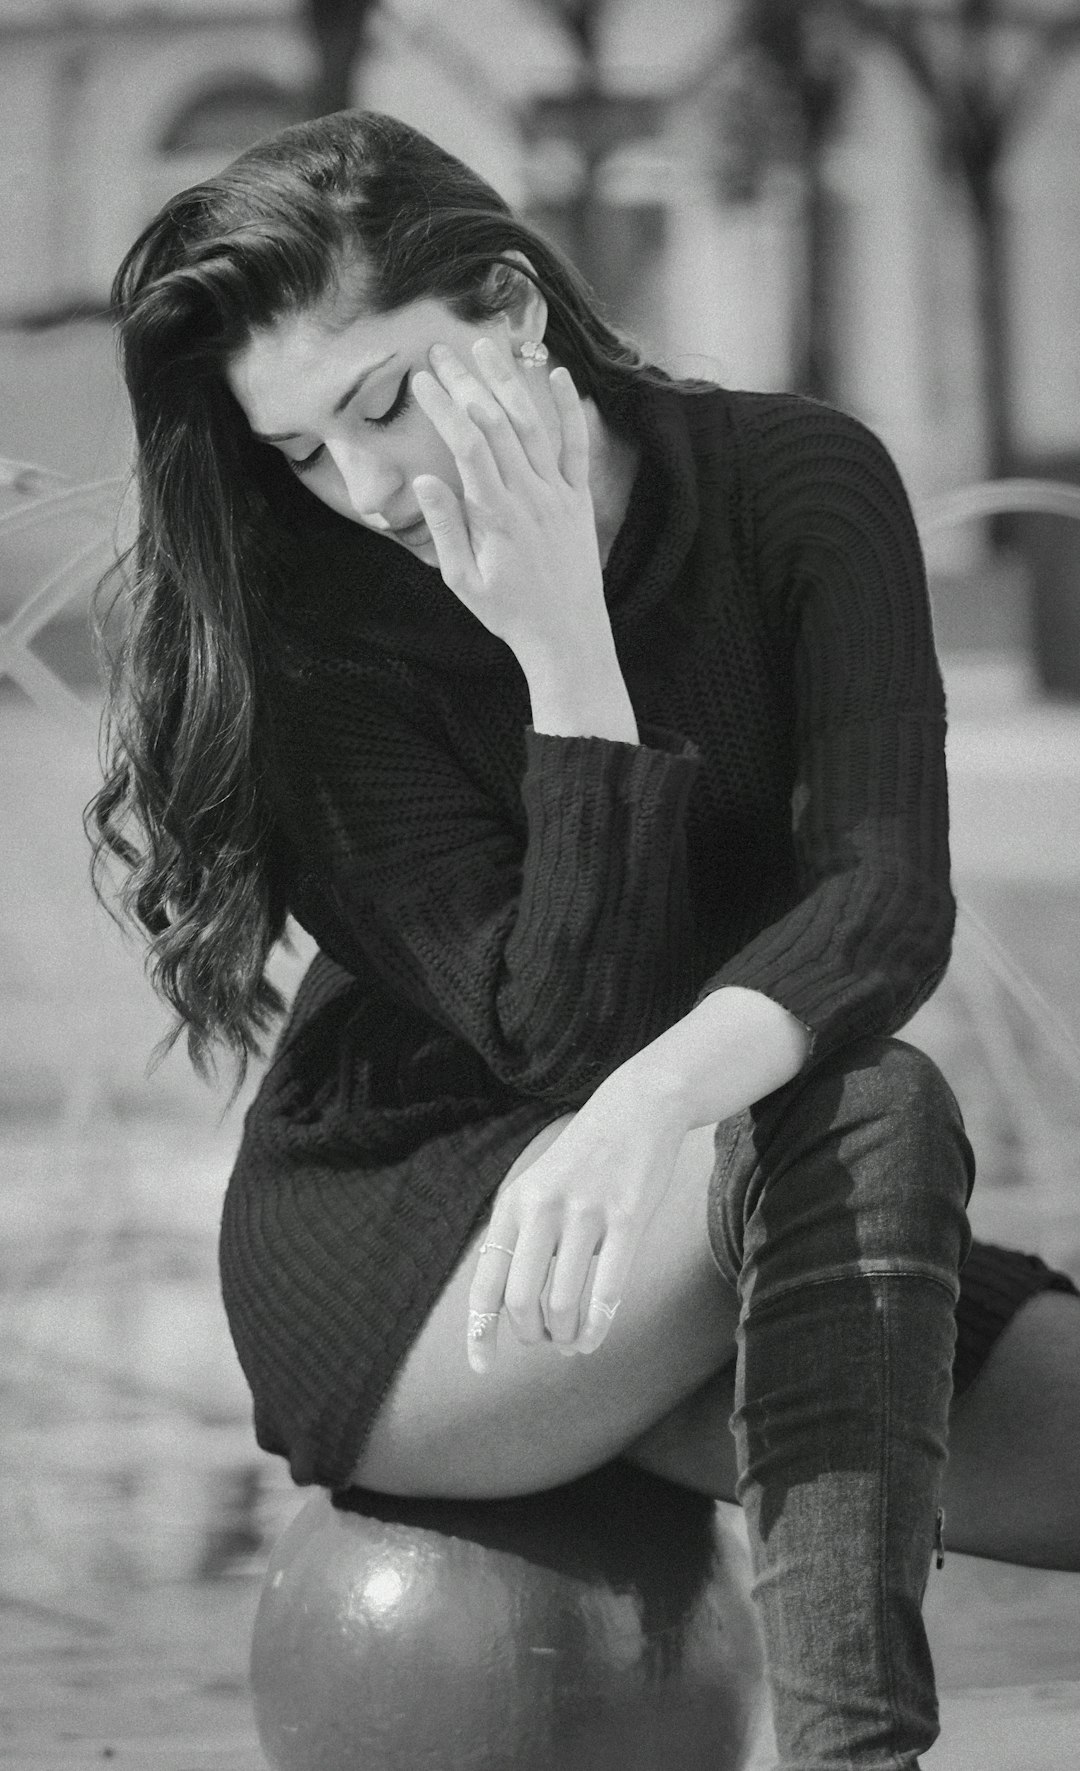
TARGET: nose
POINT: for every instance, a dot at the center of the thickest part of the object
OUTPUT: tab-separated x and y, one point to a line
369	483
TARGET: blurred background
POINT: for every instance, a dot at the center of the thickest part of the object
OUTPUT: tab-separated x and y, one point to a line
872	201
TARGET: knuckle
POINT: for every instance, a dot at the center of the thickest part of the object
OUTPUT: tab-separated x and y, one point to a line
496	416
520	1300
562	1311
582	1210
524	417
472	446
526	1320
535	1198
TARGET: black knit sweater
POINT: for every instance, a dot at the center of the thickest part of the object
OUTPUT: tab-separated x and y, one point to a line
508	916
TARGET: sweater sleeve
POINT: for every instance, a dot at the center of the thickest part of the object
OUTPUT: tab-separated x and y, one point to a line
556	942
838	562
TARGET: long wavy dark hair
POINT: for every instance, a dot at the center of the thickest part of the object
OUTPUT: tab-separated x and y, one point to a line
356	204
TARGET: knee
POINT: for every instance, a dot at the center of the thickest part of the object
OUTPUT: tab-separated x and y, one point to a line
894	1073
886	1083
920	1162
873	1138
912	1078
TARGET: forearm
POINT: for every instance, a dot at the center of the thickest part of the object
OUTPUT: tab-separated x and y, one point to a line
732	1049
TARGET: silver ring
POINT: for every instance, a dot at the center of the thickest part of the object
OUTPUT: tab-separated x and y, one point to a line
478	1322
607	1310
484	1246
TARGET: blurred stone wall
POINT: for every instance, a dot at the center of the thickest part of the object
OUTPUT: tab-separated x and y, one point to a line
86	108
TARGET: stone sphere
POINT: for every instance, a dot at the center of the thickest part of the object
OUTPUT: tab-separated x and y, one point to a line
604	1625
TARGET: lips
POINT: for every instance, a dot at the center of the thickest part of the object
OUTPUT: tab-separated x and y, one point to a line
410	530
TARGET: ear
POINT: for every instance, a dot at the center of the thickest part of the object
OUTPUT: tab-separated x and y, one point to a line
527	314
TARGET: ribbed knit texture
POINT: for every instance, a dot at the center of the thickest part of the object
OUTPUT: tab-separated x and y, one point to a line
508	916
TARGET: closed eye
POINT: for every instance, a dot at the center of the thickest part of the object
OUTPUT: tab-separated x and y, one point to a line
308	461
402	401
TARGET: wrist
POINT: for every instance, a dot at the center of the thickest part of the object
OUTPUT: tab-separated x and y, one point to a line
733	1048
587	699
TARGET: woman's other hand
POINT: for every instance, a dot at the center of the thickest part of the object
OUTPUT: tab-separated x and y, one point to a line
562	1236
519	548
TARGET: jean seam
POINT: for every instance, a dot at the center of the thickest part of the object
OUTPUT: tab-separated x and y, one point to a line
839	1276
884	1466
718	1182
885	1651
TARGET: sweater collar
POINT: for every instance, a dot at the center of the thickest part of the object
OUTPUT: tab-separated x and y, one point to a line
350	589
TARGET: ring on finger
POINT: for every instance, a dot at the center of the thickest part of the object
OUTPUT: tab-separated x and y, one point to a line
607	1310
479	1321
484	1246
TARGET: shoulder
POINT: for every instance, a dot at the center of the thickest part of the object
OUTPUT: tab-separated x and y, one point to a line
815	475
786	452
785	433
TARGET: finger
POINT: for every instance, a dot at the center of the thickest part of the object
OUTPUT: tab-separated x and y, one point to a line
527	1278
609	1283
568	1292
481	480
486	1300
477	400
574	453
449	531
468	389
506	448
531	434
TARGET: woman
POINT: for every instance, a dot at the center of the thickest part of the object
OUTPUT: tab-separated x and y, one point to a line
590	723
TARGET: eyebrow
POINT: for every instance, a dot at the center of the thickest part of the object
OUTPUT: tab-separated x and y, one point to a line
289	436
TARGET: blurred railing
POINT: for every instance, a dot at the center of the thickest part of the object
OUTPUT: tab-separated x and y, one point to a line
996	982
43	498
991	498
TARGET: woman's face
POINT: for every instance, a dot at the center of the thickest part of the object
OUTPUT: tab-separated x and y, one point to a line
338	404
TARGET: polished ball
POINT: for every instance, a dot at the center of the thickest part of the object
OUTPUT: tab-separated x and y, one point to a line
604	1625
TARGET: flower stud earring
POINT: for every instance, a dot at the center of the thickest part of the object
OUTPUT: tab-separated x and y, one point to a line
534	352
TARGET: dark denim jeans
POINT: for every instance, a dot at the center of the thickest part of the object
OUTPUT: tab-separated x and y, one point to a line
837	1209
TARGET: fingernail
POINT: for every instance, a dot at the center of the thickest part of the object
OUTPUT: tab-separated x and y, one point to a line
479	1323
478	1357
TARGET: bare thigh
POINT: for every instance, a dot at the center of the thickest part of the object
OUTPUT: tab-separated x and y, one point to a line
1010	1486
537	1418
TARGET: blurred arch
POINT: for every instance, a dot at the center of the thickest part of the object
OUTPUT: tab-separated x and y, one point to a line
229	114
